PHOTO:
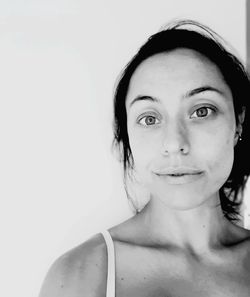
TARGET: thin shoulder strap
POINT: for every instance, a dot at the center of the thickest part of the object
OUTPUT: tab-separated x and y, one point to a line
111	264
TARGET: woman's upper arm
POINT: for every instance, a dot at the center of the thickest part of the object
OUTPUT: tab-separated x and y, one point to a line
54	283
80	272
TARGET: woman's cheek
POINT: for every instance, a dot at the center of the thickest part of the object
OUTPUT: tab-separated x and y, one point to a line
144	153
220	161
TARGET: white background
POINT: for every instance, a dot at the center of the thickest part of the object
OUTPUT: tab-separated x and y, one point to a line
59	60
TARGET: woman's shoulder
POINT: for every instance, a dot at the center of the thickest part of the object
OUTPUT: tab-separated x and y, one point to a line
80	270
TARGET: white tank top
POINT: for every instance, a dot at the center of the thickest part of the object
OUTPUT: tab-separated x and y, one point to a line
110	292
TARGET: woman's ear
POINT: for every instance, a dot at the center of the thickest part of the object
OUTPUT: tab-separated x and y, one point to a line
239	128
241	116
117	150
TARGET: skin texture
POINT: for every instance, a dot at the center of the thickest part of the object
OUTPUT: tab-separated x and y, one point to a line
180	244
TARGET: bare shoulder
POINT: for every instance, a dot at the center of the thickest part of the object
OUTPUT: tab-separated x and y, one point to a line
242	234
81	271
246	238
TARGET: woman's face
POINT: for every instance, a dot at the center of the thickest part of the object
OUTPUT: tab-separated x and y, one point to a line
181	127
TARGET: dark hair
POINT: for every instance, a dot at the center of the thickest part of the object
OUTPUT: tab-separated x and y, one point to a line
200	38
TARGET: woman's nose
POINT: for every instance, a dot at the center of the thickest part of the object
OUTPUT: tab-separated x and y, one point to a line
175	140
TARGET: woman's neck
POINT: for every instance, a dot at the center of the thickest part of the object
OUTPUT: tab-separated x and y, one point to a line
200	230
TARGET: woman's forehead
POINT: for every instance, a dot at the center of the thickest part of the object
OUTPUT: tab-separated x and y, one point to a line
177	69
174	62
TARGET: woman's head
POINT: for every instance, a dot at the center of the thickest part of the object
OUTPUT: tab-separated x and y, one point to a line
181	57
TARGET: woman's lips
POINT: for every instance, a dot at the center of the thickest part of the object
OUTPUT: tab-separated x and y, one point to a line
177	171
180	177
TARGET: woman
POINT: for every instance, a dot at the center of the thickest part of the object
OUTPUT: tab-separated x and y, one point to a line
180	110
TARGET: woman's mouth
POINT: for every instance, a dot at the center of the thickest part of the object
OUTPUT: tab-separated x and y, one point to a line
180	175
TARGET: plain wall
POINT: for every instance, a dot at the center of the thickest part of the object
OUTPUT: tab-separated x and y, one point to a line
59	60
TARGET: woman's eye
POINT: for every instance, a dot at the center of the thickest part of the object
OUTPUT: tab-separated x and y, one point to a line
148	120
203	112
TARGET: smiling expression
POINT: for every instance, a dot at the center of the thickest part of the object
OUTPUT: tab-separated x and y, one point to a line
181	126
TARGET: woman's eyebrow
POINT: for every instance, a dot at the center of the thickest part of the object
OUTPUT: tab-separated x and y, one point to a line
142	98
186	95
203	89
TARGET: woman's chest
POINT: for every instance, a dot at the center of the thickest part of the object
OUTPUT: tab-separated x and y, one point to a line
152	275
